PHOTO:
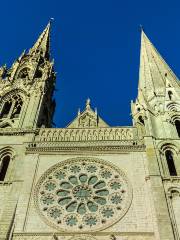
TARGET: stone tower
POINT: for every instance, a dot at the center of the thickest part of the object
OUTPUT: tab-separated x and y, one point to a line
88	181
26	88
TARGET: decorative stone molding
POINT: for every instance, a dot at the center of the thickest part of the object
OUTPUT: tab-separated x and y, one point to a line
167	145
91	134
17	132
171	180
105	146
98	235
82	194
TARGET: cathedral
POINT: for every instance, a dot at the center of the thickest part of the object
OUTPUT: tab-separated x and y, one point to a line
89	180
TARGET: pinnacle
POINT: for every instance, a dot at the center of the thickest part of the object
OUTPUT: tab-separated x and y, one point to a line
88	103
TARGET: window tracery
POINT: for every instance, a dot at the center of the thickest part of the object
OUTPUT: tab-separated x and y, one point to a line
90	194
12	107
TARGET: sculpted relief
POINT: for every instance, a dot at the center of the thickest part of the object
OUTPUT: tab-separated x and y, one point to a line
86	134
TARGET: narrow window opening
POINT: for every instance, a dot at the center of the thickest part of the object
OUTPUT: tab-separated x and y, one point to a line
4	167
141	120
170	163
177	124
170	94
6	109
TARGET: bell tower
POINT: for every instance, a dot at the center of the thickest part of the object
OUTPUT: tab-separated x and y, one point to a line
156	114
26	89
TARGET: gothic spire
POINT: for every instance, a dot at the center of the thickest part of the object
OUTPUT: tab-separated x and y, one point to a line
43	43
154	71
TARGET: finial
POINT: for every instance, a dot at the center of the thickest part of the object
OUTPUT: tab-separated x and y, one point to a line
141	27
88	102
51	20
79	111
96	111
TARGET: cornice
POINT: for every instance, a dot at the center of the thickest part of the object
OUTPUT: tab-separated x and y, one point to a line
100	233
17	132
96	146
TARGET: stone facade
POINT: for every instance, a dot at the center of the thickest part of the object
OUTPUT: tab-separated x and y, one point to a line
88	181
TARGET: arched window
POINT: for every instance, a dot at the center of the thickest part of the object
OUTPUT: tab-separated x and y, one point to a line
170	163
4	163
12	107
177	124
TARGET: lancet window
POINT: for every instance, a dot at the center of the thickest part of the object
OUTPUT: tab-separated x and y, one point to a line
4	163
170	162
177	125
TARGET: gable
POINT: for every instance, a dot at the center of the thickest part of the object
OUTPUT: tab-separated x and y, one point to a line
87	119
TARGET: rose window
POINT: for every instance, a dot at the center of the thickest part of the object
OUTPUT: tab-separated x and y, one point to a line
82	194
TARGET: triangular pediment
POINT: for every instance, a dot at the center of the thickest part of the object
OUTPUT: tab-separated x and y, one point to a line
87	119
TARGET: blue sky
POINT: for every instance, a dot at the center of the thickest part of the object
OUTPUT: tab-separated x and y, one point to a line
96	46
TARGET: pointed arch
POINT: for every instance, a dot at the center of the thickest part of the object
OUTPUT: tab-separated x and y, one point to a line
169	153
11	104
175	119
6	156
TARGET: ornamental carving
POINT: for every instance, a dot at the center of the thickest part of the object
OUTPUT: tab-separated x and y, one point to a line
82	194
86	134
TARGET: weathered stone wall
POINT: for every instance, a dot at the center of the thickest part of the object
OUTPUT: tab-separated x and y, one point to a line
138	219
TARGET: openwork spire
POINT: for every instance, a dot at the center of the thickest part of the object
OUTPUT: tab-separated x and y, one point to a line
43	43
154	71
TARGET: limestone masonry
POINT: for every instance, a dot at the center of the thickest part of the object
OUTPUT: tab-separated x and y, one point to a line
88	181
